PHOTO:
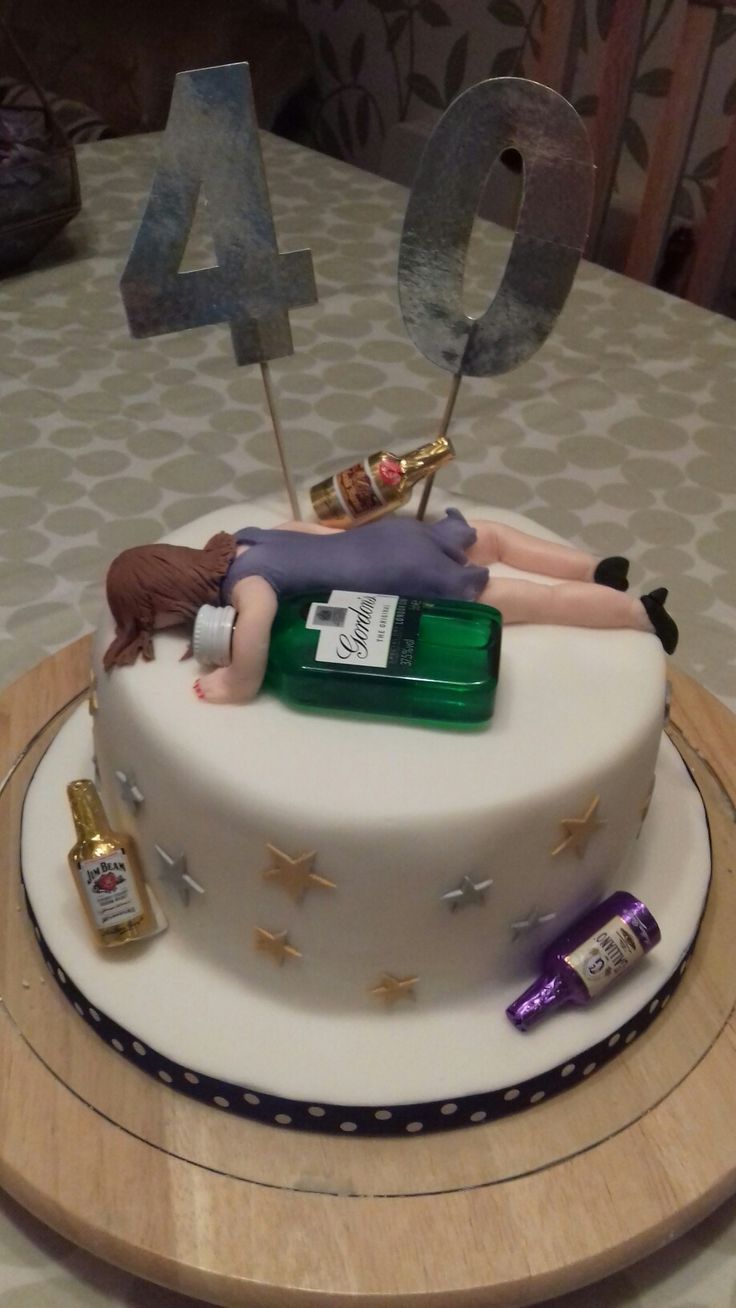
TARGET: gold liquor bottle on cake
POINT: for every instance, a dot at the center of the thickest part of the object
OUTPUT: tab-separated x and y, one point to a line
106	872
377	485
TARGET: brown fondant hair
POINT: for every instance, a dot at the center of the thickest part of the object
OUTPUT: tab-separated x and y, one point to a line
151	579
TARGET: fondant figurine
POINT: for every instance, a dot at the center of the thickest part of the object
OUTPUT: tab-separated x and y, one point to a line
154	586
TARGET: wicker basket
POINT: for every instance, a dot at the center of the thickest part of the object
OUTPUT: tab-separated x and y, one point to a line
39	182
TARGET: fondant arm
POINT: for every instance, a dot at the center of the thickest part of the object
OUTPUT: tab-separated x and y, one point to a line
255	603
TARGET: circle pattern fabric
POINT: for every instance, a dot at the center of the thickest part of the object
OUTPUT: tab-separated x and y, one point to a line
616	434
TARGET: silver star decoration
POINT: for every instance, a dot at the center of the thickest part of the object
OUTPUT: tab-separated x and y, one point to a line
174	870
468	892
644	810
532	922
129	791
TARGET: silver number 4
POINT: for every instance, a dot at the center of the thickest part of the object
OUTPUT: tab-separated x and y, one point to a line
211	143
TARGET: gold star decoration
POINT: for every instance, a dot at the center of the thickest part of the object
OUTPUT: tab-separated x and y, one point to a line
393	988
579	830
295	875
275	943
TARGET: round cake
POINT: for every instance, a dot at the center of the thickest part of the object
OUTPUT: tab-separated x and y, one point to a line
384	820
358	892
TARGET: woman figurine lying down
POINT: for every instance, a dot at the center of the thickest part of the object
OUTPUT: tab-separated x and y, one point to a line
154	586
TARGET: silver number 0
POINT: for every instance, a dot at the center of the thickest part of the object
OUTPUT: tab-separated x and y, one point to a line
550	234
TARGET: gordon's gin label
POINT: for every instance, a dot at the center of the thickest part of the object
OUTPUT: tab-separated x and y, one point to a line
358	629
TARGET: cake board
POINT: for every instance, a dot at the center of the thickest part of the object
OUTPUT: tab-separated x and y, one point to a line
234	1212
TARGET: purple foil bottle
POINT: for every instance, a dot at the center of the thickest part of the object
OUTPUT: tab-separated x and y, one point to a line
589	957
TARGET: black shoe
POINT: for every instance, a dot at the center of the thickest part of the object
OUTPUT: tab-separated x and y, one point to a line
660	619
613	572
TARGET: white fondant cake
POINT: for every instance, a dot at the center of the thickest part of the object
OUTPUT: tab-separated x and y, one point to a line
396	816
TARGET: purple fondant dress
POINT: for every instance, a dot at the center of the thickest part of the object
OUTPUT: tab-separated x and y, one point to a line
394	556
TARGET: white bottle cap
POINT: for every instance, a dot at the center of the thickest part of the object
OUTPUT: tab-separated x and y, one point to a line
212	635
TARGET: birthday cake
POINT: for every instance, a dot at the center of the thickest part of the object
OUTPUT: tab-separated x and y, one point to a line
347	895
362	851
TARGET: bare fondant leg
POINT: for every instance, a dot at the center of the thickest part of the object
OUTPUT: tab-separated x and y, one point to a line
498	543
569	603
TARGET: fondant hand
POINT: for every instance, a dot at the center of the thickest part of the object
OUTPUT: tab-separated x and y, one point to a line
255	602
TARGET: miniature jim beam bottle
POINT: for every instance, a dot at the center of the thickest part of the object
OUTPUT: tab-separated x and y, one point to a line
106	872
588	958
380	483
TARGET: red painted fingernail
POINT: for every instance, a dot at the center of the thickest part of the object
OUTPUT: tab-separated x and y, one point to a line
198	690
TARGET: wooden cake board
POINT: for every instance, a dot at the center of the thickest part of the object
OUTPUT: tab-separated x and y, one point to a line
237	1213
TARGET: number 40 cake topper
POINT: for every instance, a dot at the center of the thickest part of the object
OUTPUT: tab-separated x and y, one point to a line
211	143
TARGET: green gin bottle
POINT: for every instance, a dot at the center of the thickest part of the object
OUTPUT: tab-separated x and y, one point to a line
432	660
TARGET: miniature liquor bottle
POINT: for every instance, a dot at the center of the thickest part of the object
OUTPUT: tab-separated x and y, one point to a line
599	949
106	872
433	660
377	485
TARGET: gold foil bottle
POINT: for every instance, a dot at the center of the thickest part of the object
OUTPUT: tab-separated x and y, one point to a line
105	868
377	485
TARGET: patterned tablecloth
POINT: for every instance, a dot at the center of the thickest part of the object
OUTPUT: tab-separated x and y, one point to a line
617	435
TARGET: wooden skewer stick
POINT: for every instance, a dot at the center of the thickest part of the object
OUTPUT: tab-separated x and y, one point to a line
447	415
271	402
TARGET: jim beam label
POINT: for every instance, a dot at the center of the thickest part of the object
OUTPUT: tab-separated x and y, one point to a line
604	956
358	629
110	890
